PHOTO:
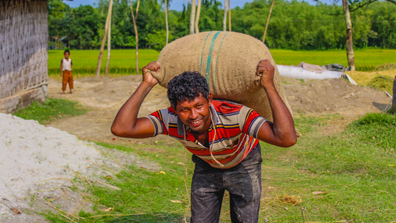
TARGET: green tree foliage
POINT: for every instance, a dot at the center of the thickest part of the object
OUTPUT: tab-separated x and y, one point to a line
294	25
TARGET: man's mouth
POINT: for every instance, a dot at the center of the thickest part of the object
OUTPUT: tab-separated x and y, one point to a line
196	123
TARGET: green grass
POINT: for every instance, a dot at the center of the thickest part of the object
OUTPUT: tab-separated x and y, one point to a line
355	169
51	109
149	197
363	58
85	61
123	61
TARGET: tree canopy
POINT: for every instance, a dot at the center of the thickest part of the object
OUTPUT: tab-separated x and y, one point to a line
293	25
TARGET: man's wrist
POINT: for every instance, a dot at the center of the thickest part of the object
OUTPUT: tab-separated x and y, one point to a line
269	86
147	84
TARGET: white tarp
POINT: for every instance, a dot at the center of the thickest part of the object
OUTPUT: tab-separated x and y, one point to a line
300	73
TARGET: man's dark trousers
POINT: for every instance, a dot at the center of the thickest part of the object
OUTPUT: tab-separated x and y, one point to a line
243	182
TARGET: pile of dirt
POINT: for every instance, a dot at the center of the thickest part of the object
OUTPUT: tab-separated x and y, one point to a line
333	96
38	165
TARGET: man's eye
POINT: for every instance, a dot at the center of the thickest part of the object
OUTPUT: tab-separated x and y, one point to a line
198	106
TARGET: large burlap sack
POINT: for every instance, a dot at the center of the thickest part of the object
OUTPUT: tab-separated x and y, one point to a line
228	60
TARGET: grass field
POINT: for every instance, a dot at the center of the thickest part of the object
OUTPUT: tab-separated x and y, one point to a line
347	177
123	61
51	109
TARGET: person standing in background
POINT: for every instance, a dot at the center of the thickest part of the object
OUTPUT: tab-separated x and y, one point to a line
66	73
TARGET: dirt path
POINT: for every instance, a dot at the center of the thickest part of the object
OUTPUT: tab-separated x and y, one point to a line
105	96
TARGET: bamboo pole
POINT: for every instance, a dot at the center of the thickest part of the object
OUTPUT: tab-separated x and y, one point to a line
108	46
166	22
192	17
229	15
198	14
268	19
103	40
136	33
225	16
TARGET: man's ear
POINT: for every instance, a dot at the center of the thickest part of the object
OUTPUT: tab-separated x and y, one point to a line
210	97
174	108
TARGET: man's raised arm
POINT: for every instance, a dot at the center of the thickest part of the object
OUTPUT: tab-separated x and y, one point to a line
126	123
281	132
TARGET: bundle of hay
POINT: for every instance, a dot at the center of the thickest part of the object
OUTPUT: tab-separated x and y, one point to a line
228	60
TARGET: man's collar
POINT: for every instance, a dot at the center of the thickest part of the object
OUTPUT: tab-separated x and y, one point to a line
180	130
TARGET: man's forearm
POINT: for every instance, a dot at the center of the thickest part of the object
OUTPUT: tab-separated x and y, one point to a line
127	116
283	125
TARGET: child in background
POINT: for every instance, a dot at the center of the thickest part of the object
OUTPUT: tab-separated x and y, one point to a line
66	72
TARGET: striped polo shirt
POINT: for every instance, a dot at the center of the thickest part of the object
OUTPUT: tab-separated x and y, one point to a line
236	129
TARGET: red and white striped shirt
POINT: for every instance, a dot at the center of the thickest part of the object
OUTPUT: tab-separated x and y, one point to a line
236	132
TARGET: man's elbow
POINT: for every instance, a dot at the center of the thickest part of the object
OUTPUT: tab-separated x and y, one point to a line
291	141
117	131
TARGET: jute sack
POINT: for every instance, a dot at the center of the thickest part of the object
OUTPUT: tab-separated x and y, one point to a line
228	60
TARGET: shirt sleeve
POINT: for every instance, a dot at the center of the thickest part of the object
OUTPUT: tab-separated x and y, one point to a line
157	118
250	121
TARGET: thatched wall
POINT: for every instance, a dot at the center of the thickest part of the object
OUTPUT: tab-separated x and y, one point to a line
23	45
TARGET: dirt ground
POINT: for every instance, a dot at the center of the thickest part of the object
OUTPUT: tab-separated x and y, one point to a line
105	96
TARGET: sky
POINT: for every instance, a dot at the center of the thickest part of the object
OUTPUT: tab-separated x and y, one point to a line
178	4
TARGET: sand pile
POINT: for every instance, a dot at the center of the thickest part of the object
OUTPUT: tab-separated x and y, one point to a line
36	164
333	96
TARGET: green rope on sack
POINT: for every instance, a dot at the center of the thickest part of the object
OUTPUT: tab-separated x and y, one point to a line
210	55
217	59
203	48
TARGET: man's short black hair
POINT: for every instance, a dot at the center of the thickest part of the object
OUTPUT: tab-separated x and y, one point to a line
66	51
187	86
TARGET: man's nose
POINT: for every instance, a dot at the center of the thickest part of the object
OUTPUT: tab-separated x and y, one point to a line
193	114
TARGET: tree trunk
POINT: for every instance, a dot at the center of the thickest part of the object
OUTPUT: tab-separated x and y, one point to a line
394	95
166	22
103	40
268	19
229	15
192	17
225	16
198	14
349	41
136	33
108	47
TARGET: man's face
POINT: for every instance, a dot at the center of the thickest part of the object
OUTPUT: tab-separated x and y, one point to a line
195	114
67	55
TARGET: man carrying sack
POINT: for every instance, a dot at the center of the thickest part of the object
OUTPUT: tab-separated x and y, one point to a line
223	136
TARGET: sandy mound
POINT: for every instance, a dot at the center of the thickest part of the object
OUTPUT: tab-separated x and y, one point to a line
38	164
333	96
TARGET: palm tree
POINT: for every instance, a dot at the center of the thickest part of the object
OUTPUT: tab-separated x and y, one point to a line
134	17
104	40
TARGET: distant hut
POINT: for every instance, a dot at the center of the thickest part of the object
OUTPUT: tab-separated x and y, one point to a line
23	53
